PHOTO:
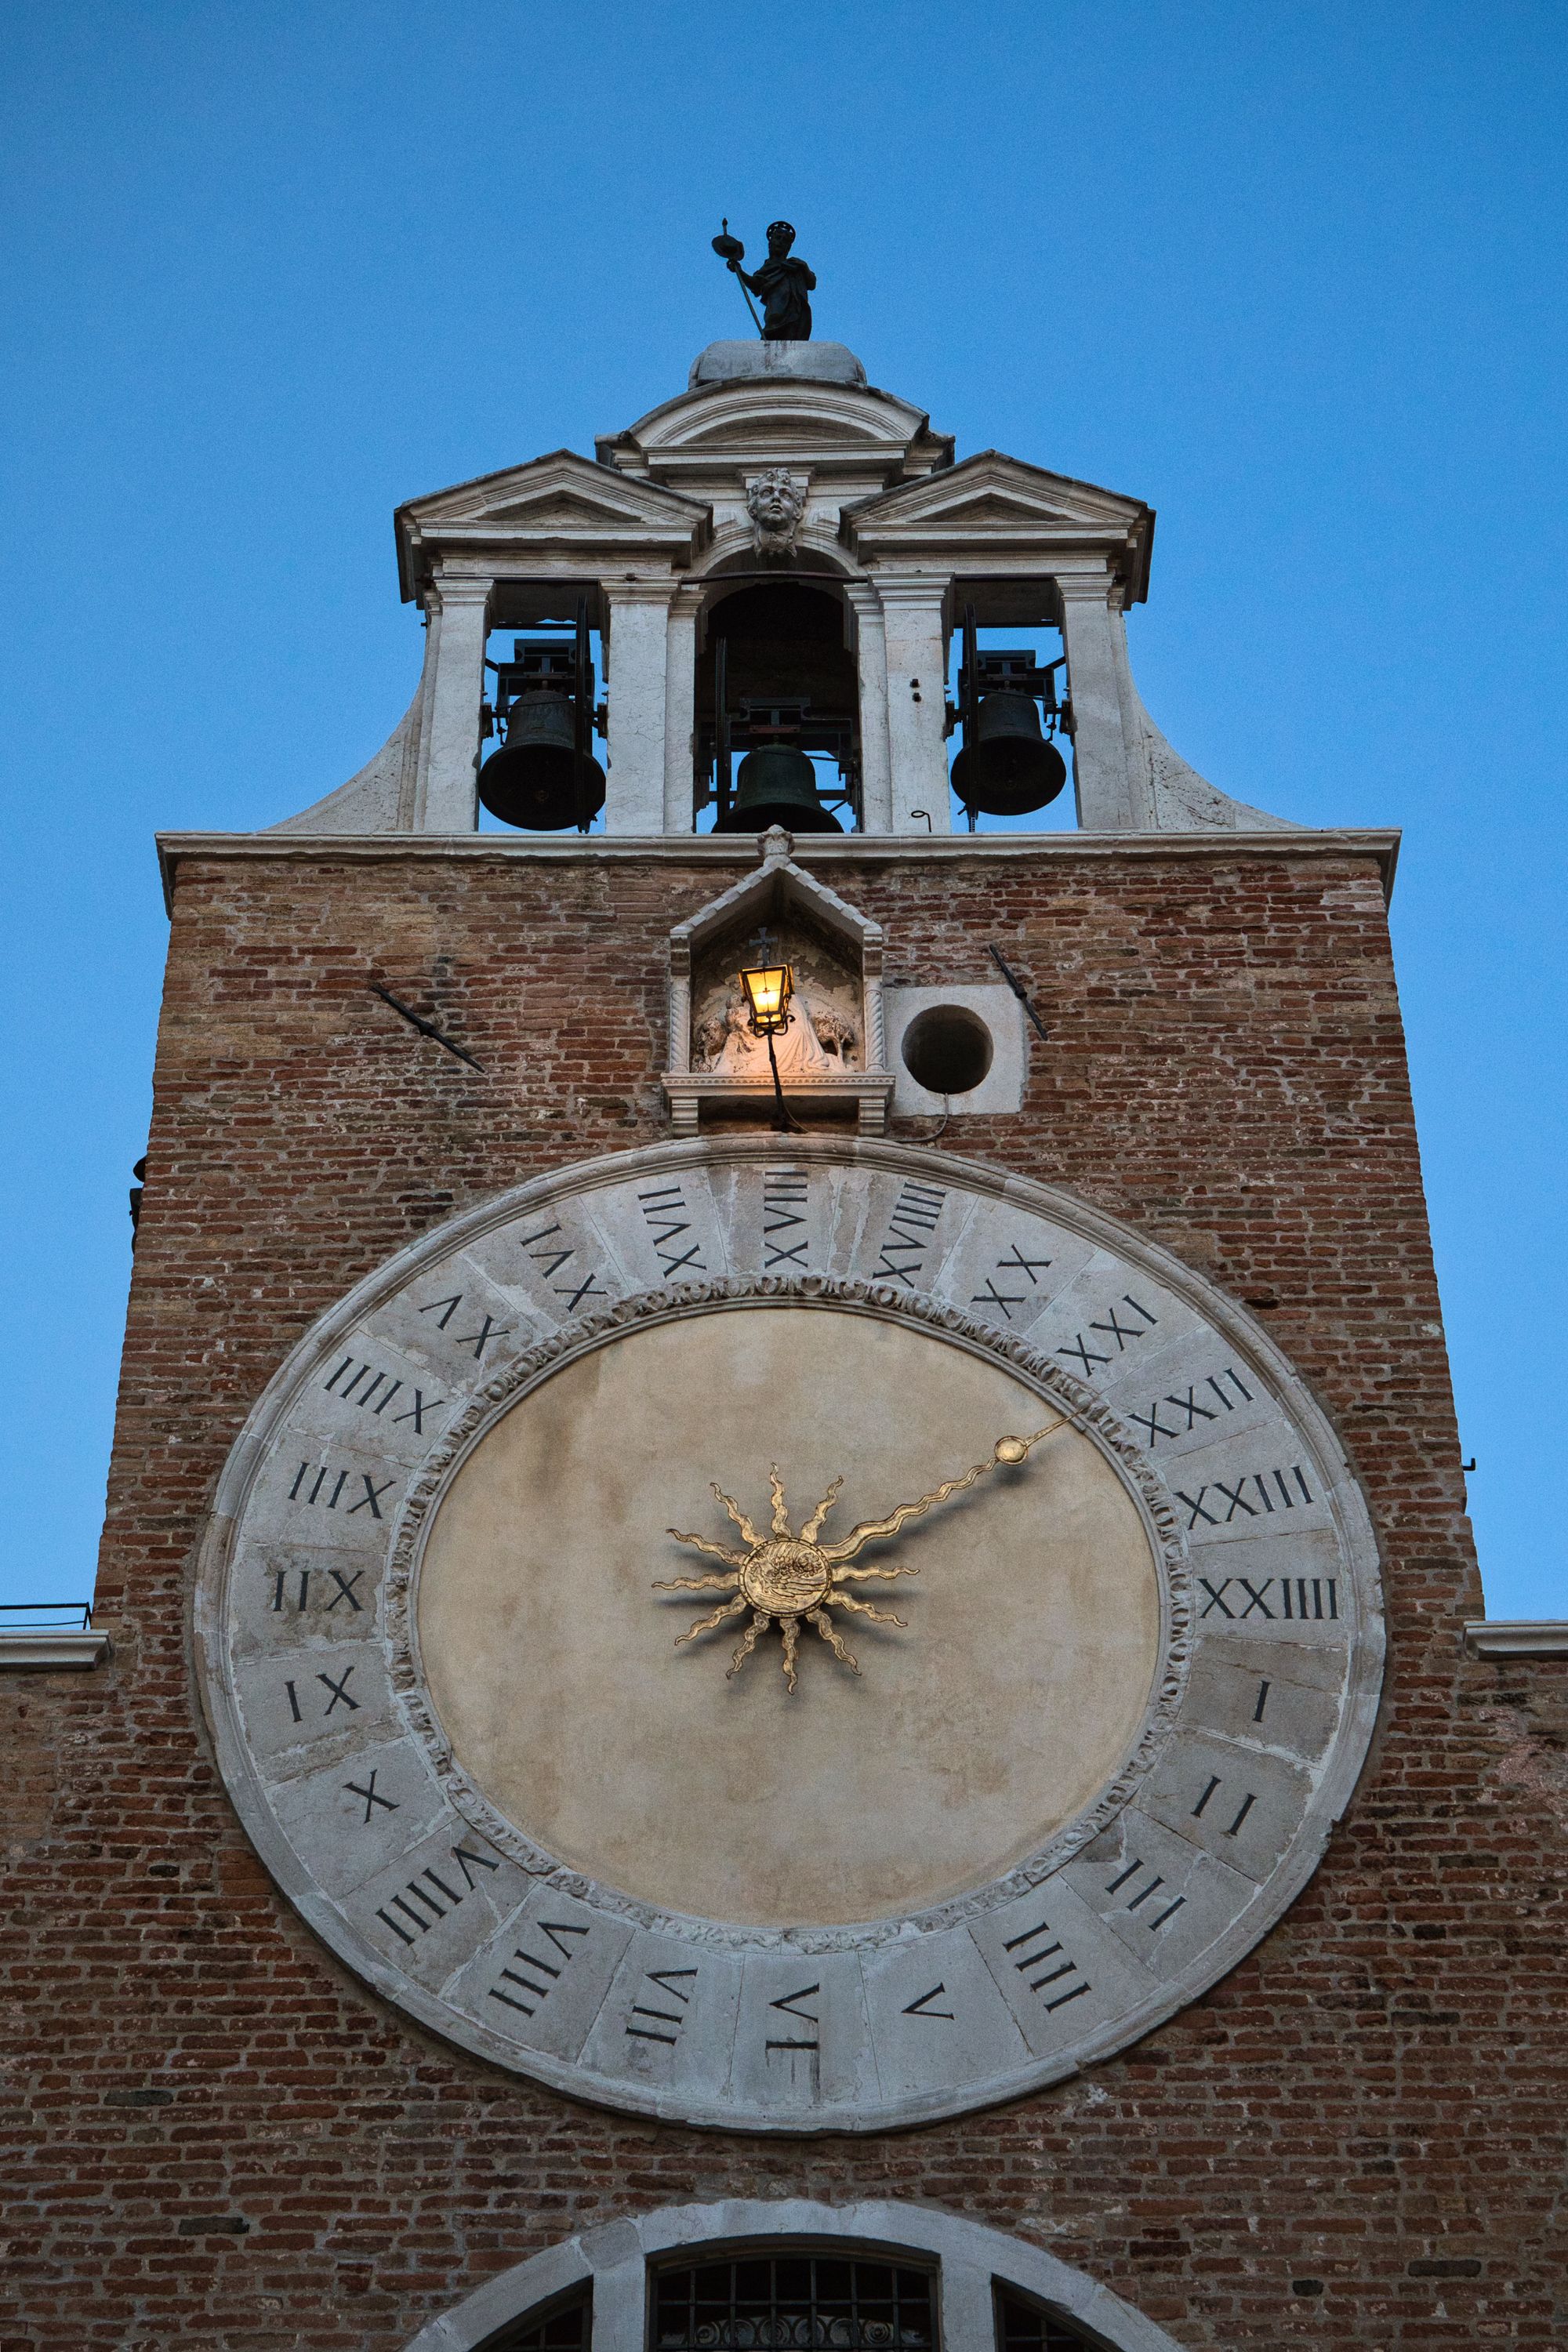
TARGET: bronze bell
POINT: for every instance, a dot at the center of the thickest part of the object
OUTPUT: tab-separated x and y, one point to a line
532	779
775	785
1010	768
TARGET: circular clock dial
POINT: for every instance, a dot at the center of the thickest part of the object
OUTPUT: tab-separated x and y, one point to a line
805	1869
1011	1693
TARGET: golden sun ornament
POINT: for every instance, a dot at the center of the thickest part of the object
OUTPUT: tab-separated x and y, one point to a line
784	1576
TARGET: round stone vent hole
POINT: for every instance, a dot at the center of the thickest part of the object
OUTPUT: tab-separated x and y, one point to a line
947	1049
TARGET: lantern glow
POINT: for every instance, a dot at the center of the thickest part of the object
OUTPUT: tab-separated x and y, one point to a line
769	988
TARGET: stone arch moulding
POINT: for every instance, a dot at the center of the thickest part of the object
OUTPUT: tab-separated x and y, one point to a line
614	2260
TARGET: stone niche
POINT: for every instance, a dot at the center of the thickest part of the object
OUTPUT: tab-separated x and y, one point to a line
832	1056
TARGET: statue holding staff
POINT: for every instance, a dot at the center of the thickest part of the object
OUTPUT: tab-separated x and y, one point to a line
782	285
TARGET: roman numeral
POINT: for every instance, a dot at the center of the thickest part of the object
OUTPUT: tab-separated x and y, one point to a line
1270	1491
922	2007
1045	1968
1142	1894
1009	1268
788	2050
327	1490
785	1192
910	1228
340	1694
1298	1597
550	1251
475	1341
296	1589
428	1896
1248	1803
1204	1402
527	1967
649	2021
372	1796
362	1384
1110	1327
664	1212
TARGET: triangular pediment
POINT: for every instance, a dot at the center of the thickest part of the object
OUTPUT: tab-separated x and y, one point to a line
991	502
555	497
991	487
779	882
562	482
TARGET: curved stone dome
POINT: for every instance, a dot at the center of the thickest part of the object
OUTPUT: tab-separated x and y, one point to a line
811	363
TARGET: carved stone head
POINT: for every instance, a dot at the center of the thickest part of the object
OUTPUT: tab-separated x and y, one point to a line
775	501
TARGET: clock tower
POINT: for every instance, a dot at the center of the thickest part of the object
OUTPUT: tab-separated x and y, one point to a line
786	1552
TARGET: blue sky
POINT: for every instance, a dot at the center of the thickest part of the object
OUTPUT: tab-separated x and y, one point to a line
1294	275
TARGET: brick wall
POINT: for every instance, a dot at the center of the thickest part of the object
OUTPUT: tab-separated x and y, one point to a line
216	2136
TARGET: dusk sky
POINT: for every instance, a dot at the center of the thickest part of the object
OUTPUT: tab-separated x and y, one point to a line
1292	274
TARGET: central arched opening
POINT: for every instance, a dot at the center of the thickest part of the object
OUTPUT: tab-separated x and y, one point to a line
778	711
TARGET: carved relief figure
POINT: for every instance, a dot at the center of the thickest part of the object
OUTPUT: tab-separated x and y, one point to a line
777	503
819	1036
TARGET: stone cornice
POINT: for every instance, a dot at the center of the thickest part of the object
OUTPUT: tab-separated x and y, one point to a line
1517	1637
1380	843
40	1649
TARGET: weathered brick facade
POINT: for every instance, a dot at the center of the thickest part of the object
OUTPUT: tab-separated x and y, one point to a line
218	2136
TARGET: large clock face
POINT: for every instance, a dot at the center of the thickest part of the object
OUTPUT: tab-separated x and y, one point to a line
808	1640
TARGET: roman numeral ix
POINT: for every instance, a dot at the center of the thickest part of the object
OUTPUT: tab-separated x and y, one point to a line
428	1896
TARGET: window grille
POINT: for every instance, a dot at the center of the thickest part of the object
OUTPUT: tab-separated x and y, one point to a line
795	2302
1024	2327
563	2329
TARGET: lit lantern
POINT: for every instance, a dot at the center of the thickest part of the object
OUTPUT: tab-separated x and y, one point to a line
768	991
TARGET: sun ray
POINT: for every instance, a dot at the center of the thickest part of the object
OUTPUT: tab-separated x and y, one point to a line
790	1628
857	1575
1009	1450
813	1527
697	1584
781	1508
706	1624
831	1635
760	1622
864	1609
737	1514
714	1552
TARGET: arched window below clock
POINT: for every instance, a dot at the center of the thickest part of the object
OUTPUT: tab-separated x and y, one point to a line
789	2275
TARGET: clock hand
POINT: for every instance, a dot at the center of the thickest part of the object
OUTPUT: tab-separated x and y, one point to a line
1008	1450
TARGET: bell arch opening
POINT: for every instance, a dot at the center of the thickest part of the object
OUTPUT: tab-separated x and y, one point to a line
777	735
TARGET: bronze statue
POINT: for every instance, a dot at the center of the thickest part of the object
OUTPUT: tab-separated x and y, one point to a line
782	284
